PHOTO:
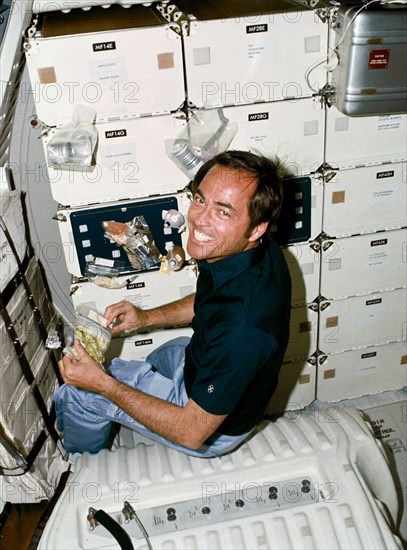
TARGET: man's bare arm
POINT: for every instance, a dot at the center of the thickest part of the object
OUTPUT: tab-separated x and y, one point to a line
188	426
133	318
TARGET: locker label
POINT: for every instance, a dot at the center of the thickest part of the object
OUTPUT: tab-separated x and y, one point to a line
368	355
132	286
379	242
379	59
381	428
373	302
258	116
103	46
250	29
145	342
383	195
387	174
390	123
115	133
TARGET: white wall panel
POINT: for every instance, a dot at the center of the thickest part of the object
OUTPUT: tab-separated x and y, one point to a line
363	264
304	265
122	73
252	66
363	321
248	59
131	161
360	141
361	372
291	130
365	200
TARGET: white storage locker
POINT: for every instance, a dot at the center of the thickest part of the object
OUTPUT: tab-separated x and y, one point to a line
363	264
304	266
361	372
248	59
364	141
296	387
303	332
83	237
140	345
291	130
362	321
131	161
149	289
367	199
118	73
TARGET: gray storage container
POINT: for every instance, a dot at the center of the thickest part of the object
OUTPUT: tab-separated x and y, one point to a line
370	77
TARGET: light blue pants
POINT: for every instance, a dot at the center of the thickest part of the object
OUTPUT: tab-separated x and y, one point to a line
87	418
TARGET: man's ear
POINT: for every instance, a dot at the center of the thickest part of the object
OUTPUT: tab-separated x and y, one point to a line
258	231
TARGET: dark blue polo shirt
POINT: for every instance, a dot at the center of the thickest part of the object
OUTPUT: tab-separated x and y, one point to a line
241	329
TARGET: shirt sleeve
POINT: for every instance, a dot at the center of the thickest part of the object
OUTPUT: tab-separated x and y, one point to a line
230	360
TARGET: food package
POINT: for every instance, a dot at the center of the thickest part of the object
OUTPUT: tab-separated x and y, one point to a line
137	241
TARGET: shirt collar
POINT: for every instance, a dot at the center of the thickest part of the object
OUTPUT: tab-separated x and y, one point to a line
226	269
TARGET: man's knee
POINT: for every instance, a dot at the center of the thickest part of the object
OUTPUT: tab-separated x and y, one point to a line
74	403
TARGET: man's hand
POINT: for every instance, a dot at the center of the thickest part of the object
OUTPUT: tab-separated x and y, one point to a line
131	317
84	372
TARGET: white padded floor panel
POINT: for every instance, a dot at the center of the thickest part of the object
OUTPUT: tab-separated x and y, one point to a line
307	480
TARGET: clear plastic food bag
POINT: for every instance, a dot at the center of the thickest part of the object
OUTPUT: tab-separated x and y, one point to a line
207	133
74	144
90	329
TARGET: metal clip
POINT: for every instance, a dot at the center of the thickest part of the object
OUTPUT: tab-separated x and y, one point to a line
128	512
31	31
59	217
91	519
179	22
326	172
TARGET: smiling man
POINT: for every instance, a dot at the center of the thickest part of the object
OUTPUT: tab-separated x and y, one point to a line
202	395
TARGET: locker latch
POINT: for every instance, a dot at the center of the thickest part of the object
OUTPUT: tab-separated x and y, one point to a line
327	95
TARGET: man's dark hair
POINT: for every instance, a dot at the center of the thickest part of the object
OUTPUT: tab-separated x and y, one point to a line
265	203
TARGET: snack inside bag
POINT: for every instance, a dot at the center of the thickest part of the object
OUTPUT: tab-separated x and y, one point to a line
90	329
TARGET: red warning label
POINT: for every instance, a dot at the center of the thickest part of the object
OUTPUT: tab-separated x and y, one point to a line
379	59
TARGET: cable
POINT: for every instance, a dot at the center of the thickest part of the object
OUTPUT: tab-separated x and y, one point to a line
130	512
116	530
329	58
